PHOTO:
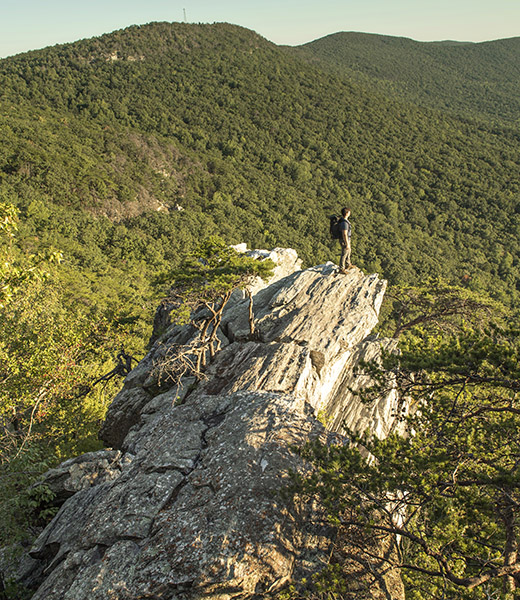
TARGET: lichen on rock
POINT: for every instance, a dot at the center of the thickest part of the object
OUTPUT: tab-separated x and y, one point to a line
195	509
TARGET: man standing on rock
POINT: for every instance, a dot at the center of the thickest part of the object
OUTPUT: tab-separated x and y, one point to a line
345	231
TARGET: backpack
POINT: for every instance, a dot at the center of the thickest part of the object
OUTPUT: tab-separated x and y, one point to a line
335	232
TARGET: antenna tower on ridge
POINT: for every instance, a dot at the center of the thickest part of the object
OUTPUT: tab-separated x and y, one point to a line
184	11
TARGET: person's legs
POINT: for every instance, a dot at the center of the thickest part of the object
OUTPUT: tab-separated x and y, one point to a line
344	260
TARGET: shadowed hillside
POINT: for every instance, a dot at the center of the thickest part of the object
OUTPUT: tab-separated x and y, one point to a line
477	79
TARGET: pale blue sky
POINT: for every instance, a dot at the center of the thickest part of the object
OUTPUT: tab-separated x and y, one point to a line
31	24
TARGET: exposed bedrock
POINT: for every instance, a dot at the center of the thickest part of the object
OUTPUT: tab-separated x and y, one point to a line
194	509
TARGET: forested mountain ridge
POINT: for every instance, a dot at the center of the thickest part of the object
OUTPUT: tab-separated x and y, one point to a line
475	79
220	121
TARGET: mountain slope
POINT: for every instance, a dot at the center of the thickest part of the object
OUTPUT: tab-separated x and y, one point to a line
255	144
124	151
471	78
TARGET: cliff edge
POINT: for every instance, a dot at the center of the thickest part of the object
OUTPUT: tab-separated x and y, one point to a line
191	509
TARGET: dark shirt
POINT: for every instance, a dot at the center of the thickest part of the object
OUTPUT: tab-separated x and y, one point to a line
344	225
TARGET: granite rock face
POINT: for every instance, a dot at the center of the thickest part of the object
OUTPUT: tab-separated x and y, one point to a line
194	509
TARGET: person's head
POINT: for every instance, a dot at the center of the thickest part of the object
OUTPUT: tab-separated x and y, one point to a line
345	212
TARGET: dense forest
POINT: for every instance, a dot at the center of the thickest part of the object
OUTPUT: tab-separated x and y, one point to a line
256	144
466	78
119	154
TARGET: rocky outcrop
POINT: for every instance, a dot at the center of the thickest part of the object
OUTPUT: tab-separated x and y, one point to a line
195	510
285	261
82	472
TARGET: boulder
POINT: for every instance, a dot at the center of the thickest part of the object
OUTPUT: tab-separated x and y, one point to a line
82	472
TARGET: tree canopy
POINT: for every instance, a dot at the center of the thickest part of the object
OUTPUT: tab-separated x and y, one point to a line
447	487
120	149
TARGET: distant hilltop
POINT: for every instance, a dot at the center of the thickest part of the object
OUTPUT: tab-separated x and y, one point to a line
469	77
262	143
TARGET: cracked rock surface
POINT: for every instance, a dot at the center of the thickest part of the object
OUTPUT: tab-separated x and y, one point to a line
194	509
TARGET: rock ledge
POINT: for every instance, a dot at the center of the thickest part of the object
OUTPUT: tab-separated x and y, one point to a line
193	510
